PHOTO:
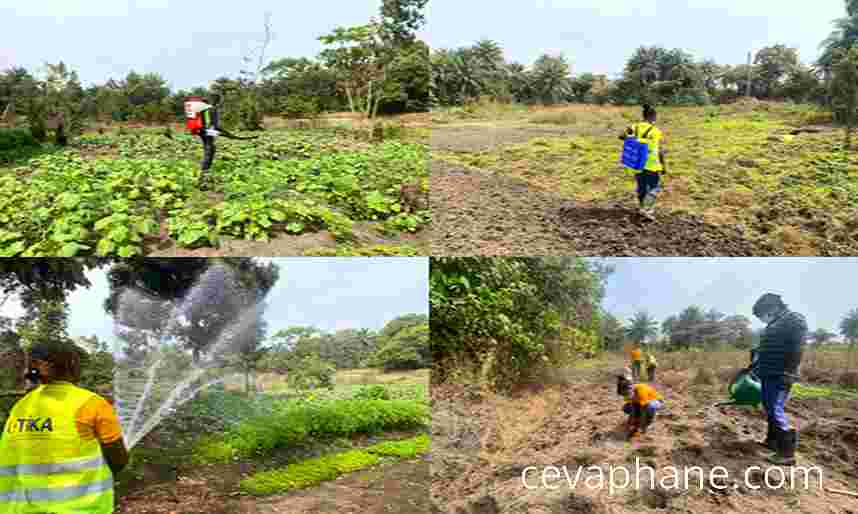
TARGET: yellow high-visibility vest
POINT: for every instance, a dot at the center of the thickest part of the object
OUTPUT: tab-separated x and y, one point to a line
45	465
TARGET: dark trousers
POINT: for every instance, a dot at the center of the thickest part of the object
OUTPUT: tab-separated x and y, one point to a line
647	181
650	373
208	151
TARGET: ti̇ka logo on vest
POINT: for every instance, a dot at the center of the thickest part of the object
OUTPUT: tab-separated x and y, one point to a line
31	425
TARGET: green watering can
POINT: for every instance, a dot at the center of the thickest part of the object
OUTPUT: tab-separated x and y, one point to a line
745	389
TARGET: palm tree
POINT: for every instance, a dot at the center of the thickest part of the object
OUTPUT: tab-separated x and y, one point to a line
845	35
642	326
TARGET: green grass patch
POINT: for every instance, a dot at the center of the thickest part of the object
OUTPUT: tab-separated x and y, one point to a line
329	467
296	422
802	391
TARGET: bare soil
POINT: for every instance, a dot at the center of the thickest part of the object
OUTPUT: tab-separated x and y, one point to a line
479	213
482	443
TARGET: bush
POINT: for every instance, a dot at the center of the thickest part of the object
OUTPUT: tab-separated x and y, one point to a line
296	422
300	107
312	372
12	138
373	392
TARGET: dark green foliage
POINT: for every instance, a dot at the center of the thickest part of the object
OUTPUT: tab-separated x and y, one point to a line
504	316
11	139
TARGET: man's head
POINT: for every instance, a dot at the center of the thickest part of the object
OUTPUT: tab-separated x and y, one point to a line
55	361
649	113
768	306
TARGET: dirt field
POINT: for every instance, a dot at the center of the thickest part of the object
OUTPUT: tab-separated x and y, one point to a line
547	182
482	443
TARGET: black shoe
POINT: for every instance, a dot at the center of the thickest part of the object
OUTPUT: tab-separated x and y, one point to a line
785	455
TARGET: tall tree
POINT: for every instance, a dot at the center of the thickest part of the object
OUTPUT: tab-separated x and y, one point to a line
642	326
844	89
849	327
775	63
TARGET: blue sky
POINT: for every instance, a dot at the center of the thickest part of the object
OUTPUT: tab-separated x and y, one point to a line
327	293
599	35
188	43
823	289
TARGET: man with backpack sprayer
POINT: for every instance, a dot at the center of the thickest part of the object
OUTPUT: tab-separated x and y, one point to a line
203	120
643	151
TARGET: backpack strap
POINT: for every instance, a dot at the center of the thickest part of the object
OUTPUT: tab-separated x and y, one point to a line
648	131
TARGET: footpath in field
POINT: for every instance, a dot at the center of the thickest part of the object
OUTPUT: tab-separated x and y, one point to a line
548	182
352	449
483	443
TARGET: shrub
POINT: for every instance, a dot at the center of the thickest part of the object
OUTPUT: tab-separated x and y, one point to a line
300	107
372	392
12	138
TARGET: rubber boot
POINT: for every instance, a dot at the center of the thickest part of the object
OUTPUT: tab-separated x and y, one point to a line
786	442
770	441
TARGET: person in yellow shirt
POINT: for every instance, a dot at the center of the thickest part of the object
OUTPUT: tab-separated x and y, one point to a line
642	402
62	444
651	365
649	178
636	358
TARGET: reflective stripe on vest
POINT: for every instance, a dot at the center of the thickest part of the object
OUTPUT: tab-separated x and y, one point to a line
54	494
47	469
45	464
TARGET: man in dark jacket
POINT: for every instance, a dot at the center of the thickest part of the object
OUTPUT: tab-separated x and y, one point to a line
778	360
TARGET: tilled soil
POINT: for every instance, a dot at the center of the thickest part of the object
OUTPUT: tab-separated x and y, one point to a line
479	213
482	444
476	212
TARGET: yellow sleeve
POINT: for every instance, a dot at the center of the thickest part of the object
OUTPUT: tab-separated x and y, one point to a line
97	419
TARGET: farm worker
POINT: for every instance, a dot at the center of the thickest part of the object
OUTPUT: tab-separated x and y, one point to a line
62	444
651	365
204	121
648	179
636	358
641	405
778	359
